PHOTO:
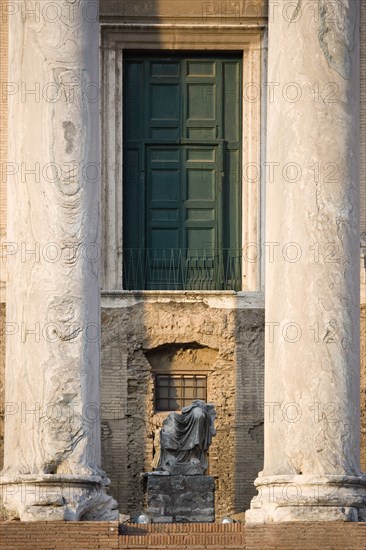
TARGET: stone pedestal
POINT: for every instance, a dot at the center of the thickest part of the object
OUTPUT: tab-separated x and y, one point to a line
180	498
52	457
312	354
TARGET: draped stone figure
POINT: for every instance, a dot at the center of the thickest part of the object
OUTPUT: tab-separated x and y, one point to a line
185	439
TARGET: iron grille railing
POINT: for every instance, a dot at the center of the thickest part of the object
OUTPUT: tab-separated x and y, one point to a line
181	269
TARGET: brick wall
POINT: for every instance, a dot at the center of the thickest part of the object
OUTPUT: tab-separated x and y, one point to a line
307	536
105	536
232	339
59	536
184	536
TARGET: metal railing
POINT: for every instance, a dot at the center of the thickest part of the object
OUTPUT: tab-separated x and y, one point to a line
182	269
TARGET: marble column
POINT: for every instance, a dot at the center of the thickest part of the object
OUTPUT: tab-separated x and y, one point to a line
312	416
52	464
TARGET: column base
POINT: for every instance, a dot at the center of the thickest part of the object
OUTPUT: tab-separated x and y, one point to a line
308	498
52	497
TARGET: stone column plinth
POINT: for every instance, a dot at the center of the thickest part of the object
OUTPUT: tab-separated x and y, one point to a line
312	420
52	432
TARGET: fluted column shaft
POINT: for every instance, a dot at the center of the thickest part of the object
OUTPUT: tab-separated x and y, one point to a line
312	461
52	428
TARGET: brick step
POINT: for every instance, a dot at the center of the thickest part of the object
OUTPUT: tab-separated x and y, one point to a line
16	535
140	529
182	536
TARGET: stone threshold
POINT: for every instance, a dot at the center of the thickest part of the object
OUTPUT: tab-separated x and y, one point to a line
227	299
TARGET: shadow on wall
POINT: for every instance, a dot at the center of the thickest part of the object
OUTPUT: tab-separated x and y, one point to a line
363	387
124	369
249	419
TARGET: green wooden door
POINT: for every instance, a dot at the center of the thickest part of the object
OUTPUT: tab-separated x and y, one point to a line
181	196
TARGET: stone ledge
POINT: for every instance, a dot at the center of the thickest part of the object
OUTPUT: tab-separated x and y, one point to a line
213	298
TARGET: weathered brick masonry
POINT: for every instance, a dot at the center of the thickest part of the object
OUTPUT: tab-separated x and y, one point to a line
229	343
183	536
107	536
59	536
306	536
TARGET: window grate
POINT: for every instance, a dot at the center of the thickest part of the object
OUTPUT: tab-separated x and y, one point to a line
172	392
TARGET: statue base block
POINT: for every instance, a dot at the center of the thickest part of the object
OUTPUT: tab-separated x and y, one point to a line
180	498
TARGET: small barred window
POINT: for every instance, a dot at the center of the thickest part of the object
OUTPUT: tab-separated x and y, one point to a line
172	392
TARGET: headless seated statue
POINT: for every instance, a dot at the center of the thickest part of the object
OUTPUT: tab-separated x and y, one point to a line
185	439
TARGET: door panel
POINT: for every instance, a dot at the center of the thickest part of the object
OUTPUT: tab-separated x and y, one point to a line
201	184
201	101
163	185
164	102
200	68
